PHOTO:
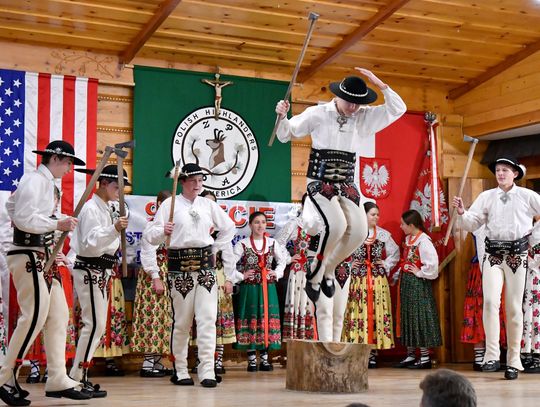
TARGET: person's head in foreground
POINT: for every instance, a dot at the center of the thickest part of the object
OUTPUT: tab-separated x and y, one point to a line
446	388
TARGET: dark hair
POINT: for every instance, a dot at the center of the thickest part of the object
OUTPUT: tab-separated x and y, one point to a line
254	215
46	158
162	195
412	217
357	405
369	206
446	388
207	192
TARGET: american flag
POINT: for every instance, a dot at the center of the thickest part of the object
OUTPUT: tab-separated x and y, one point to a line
36	109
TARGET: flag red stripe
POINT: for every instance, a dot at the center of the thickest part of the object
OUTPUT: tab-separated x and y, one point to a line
68	129
44	109
91	126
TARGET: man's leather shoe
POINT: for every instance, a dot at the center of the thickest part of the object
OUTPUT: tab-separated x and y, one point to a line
11	397
532	368
327	289
312	294
404	363
182	382
208	383
266	367
491	366
151	373
68	394
510	373
420	365
93	390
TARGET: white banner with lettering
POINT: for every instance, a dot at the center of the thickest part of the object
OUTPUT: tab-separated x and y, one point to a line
143	208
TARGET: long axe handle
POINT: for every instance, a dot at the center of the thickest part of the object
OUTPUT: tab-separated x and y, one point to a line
312	18
122	211
60	243
461	187
173	198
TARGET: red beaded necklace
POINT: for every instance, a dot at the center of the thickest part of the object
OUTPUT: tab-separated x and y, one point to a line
259	252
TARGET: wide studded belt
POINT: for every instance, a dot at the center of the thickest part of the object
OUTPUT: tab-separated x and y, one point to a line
21	238
104	262
502	247
331	165
191	259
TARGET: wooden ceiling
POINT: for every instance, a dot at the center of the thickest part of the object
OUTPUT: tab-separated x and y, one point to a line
451	44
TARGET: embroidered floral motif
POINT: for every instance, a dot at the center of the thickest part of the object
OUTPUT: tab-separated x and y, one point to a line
206	279
350	192
183	283
342	272
513	261
90	279
494	260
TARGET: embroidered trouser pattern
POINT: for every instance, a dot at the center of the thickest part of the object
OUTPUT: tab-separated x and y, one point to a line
91	287
42	307
193	294
510	271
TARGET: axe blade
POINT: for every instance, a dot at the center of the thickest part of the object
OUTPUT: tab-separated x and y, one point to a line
120	153
125	144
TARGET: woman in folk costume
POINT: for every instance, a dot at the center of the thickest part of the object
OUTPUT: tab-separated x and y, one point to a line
95	241
299	311
191	271
530	342
40	295
472	330
368	318
152	313
257	312
418	325
338	130
507	211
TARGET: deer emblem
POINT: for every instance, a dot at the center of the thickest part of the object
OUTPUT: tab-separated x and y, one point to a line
218	148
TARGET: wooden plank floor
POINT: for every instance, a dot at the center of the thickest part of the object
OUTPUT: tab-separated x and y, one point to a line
387	387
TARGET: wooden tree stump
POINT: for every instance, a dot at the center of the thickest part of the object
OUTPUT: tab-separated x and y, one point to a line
327	367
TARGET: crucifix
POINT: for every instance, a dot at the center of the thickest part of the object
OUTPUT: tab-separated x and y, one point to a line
217	85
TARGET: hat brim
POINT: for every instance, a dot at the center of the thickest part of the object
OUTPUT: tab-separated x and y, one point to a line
90	171
76	161
517	168
357	100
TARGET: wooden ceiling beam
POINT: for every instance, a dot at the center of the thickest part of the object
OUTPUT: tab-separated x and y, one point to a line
164	10
351	39
495	70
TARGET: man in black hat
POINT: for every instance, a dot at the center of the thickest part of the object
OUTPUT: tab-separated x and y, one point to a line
95	242
507	212
338	130
40	296
191	270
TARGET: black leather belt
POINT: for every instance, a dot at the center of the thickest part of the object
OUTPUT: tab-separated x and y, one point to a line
502	247
192	259
21	238
103	262
331	165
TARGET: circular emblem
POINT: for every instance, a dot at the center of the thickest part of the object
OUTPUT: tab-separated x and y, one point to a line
225	149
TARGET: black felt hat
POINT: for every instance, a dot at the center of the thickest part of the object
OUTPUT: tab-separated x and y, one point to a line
62	148
512	162
354	90
109	172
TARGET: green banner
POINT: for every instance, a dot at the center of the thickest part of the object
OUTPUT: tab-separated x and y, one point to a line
174	118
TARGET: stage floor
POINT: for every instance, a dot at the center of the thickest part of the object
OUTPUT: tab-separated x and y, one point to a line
387	387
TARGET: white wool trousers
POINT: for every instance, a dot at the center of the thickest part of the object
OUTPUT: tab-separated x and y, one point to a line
91	287
193	296
330	313
42	307
510	271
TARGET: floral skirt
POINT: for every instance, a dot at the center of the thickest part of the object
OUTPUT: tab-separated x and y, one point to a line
472	330
115	341
225	331
357	317
152	316
250	318
531	317
420	327
299	311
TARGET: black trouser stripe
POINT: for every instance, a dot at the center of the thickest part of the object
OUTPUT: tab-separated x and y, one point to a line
322	245
93	305
171	286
